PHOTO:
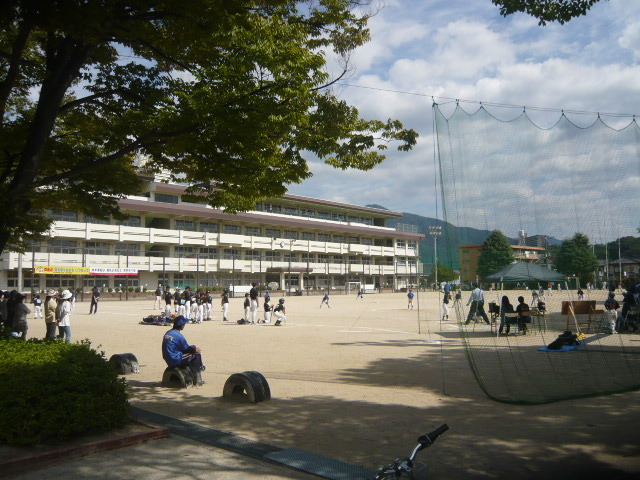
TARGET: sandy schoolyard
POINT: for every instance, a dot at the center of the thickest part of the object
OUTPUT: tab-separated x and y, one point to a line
359	382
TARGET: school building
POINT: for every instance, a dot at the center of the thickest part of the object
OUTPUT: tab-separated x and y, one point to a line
296	242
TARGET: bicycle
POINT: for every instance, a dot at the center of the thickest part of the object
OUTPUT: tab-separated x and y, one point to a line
414	470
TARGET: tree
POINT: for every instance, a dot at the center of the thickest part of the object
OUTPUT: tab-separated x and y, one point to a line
226	96
576	257
445	274
560	11
496	253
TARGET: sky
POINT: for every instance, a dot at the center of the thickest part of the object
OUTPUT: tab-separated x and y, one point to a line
464	49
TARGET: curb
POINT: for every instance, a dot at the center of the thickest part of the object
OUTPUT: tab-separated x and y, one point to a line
33	462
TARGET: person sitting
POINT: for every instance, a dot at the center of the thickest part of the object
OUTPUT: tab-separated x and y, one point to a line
523	315
505	308
176	351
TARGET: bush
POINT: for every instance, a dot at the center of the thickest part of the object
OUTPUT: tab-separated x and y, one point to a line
53	391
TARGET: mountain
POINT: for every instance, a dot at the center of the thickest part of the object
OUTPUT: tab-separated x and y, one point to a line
449	241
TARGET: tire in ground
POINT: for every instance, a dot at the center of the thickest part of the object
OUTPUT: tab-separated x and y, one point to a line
266	390
238	383
125	363
177	378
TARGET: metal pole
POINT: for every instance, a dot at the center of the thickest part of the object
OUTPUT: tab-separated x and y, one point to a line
33	269
619	259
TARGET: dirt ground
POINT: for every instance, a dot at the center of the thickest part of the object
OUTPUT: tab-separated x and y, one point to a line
358	382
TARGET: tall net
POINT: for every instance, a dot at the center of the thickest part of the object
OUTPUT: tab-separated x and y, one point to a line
540	186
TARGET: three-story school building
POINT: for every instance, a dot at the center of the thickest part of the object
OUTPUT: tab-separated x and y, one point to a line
296	242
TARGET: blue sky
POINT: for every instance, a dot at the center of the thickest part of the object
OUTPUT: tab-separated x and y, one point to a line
464	49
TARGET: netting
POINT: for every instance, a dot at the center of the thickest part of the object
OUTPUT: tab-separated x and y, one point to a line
540	186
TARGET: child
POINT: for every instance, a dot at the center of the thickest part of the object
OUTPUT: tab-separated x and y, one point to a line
325	300
410	296
267	311
247	308
38	306
458	299
225	305
445	306
280	313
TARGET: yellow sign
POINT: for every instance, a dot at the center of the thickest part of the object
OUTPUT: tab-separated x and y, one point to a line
47	270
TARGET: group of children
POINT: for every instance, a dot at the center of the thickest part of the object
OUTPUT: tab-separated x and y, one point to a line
198	306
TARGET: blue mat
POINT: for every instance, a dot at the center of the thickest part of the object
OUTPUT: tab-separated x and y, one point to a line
565	348
319	465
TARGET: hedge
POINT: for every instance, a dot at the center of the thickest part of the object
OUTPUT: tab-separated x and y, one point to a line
53	391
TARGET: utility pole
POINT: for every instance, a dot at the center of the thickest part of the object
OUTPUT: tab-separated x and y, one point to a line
435	231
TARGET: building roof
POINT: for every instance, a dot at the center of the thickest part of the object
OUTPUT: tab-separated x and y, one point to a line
525	272
177	189
195	210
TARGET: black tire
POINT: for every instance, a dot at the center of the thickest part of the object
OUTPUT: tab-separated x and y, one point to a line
266	390
177	378
125	363
238	383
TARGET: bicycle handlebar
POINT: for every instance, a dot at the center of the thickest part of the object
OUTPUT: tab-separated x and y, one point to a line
427	439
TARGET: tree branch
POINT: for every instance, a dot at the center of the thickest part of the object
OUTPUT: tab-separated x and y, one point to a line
149	140
89	99
15	60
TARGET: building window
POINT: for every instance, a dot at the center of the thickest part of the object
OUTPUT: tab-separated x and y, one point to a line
186	225
290	211
273	233
338	217
323	258
60	281
129	249
271	208
234	229
97	248
324	215
208	227
324	237
100	221
339	238
252	255
63	215
400	243
206	252
401	261
164	198
231	253
253	231
63	246
354	260
411	244
411	261
309	257
184	252
307	213
354	240
273	256
291	234
132	222
100	281
182	280
338	259
366	261
308	236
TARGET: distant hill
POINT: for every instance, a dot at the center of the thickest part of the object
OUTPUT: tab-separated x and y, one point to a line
450	240
375	205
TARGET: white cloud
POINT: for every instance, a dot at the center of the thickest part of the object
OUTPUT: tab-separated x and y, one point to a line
457	50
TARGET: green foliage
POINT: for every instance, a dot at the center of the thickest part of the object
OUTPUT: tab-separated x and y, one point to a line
575	257
53	391
496	253
219	94
445	274
560	11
